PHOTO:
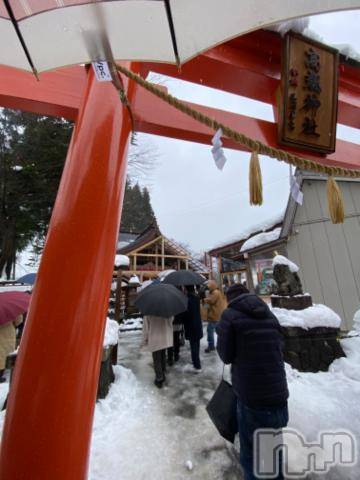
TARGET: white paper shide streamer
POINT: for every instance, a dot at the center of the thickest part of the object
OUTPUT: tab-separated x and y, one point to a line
217	151
295	191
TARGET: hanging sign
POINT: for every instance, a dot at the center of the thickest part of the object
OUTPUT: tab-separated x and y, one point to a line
309	95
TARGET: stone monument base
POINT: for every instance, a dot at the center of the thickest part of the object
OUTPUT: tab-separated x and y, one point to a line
311	350
298	302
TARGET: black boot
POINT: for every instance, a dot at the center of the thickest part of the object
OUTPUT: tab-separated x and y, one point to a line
209	349
159	383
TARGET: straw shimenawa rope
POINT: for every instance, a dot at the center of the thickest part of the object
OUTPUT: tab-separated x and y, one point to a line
247	142
335	201
255	180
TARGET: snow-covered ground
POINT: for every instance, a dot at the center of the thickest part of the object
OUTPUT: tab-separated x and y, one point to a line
131	324
142	433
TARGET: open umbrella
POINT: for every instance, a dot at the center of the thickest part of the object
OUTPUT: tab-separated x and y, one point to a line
48	34
29	279
13	304
161	300
184	277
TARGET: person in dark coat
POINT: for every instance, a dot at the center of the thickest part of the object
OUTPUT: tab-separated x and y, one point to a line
249	339
173	353
193	326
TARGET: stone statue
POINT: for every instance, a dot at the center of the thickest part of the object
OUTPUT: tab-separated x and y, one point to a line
288	283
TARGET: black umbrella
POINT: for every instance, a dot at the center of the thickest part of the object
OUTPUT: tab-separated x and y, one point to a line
184	277
161	300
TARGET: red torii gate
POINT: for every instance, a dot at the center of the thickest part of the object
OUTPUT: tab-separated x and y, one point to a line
50	409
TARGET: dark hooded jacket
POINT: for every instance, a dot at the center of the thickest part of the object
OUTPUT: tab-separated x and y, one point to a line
192	318
249	338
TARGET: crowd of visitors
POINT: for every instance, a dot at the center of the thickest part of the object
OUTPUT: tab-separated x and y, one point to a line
163	337
248	338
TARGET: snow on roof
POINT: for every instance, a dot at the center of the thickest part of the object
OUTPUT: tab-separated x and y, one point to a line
316	316
261	239
301	25
281	260
266	224
122	261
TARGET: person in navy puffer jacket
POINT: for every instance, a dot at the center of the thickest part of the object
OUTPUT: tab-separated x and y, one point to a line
249	338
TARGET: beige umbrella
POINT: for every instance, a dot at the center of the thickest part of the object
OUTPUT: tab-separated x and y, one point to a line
42	35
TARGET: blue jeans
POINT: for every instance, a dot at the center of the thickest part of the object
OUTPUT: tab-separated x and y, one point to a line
210	334
249	420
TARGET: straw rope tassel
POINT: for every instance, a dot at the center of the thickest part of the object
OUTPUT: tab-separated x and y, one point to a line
335	201
255	180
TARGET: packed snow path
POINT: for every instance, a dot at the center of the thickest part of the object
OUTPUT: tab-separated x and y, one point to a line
141	432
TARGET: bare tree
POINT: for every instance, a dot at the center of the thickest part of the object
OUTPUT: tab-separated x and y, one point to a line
142	159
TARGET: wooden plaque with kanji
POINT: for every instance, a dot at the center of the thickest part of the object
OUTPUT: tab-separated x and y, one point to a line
309	95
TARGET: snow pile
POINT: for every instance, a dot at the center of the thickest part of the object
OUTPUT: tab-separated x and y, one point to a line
4	390
122	261
298	25
327	402
281	260
356	325
111	336
261	239
261	226
134	280
16	288
301	25
131	438
131	324
316	316
348	51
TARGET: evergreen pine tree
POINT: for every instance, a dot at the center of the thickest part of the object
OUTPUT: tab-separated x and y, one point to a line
32	154
137	210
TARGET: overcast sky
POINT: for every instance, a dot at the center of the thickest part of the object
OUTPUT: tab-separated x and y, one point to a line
197	204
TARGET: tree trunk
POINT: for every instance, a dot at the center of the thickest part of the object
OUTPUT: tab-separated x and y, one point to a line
8	250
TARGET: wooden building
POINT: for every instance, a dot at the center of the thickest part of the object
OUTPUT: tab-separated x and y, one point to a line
151	253
328	255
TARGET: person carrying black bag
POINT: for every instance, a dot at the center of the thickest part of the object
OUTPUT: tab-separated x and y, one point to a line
249	339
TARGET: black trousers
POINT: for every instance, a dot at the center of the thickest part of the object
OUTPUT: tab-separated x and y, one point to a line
195	353
159	358
173	352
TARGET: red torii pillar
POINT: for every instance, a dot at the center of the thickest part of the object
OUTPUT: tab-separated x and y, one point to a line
50	410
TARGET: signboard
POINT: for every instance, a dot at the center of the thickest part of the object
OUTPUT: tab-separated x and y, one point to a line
309	95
